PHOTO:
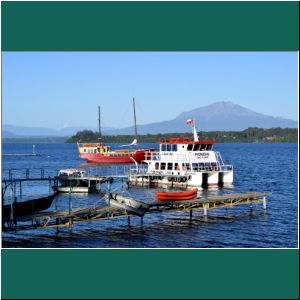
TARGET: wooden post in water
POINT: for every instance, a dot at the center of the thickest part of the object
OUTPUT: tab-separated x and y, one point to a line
108	191
70	225
70	209
49	185
264	203
20	187
13	201
56	220
205	206
70	199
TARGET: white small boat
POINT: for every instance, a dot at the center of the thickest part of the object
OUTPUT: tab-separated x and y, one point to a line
74	181
130	205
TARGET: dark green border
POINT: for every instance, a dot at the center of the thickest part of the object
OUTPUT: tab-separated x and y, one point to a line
150	26
157	26
178	274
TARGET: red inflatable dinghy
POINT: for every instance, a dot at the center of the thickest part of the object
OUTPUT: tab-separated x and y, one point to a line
177	196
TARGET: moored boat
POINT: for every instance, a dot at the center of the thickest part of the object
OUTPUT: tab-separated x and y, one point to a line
73	181
27	207
100	153
183	162
128	204
177	196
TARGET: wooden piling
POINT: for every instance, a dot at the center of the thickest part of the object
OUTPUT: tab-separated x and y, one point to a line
20	187
264	201
205	207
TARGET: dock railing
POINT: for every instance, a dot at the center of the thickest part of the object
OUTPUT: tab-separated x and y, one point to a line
47	172
28	173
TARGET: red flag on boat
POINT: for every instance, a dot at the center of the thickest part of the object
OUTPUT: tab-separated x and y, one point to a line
190	121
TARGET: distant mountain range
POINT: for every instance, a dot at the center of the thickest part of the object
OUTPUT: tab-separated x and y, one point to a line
217	116
11	131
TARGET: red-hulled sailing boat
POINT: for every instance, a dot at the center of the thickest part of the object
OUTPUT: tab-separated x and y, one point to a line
102	154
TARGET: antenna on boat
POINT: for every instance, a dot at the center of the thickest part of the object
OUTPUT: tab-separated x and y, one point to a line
99	121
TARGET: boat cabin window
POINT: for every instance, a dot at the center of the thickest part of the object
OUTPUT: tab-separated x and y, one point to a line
196	147
169	147
174	147
201	166
195	166
170	166
156	166
203	147
98	150
163	166
84	150
209	147
177	168
186	167
163	147
190	147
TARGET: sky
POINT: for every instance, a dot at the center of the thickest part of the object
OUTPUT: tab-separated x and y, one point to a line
61	89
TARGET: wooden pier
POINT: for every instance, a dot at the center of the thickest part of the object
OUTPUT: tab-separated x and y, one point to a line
56	219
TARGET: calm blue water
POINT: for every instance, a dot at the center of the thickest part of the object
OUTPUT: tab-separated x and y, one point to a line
269	168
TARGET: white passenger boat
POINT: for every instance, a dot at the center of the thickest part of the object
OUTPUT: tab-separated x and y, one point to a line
183	162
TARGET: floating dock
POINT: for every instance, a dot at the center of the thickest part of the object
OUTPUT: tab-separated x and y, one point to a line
56	219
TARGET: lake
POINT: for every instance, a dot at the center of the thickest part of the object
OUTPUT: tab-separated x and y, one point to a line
266	167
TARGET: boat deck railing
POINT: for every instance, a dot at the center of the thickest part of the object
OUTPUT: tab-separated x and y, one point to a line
145	170
173	157
222	165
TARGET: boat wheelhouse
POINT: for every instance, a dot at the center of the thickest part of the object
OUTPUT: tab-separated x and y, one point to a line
184	162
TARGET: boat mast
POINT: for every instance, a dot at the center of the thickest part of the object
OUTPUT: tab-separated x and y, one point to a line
99	121
196	139
135	129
